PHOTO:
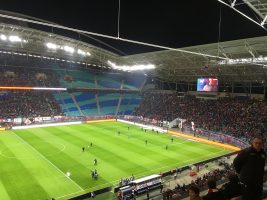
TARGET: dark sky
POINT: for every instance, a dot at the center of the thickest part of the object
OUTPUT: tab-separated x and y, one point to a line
173	23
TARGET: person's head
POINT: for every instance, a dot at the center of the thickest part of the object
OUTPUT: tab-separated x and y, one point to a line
209	81
257	143
193	192
211	183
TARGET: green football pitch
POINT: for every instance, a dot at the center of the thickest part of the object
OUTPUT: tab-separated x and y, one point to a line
34	162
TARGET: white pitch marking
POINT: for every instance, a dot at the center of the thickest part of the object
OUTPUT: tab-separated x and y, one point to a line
81	189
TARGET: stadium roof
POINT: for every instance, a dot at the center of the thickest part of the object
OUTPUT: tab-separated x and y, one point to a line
170	65
258	6
177	66
35	44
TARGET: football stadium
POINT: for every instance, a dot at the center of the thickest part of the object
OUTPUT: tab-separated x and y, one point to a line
82	119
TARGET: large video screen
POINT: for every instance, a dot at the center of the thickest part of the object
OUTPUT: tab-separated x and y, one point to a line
207	84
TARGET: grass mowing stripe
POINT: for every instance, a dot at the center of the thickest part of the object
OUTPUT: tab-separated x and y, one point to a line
76	163
138	145
152	151
75	133
159	169
67	195
139	152
156	140
14	172
204	146
118	142
41	155
3	191
190	152
189	161
160	137
101	146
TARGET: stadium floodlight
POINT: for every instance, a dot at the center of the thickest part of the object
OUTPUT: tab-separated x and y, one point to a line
141	67
51	45
3	37
131	68
68	49
253	60
14	38
81	52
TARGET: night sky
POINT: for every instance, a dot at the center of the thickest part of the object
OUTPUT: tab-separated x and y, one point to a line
173	23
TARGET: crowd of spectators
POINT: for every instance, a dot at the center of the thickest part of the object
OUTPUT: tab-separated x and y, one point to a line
201	182
20	76
242	118
237	117
28	104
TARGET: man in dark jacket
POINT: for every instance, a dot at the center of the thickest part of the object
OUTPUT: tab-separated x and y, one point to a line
249	163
